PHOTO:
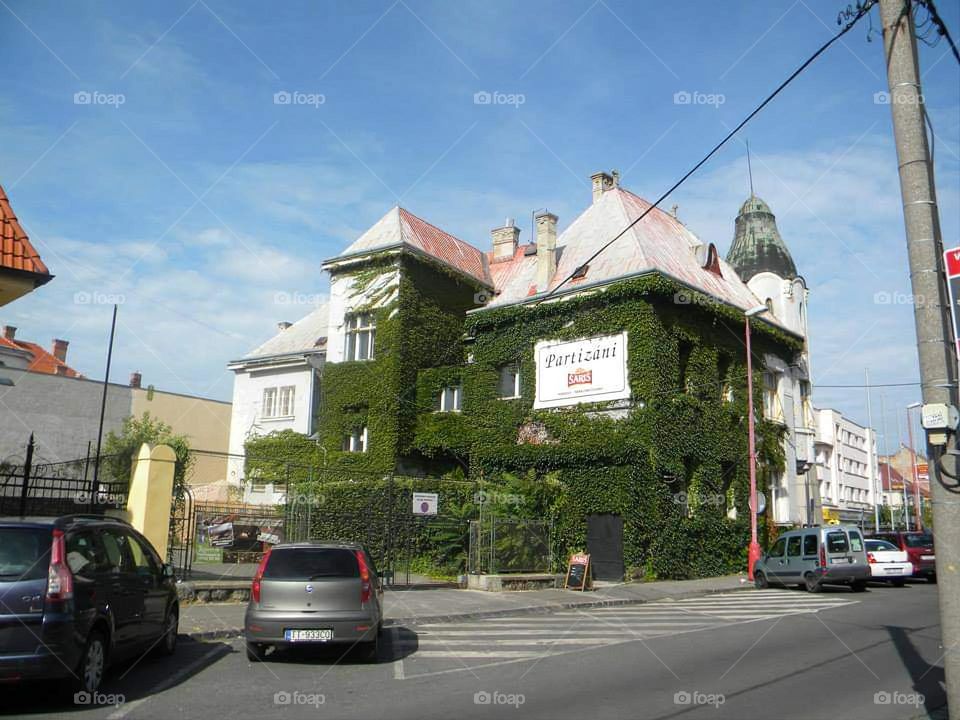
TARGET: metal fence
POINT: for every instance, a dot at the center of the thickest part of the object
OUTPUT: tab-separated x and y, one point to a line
510	545
59	488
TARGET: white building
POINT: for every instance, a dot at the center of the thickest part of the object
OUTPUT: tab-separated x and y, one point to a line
847	467
761	258
277	387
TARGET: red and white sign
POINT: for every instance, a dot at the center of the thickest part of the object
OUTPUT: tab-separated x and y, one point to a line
951	259
581	371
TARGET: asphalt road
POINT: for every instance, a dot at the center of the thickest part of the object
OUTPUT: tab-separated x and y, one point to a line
748	654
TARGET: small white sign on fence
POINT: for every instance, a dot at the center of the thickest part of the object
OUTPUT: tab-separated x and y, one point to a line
425	503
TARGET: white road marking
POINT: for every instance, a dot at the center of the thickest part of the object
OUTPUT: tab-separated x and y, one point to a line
398	663
166	683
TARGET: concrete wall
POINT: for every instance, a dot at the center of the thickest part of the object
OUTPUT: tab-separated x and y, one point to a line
63	414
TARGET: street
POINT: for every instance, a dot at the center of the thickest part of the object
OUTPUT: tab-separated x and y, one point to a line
743	654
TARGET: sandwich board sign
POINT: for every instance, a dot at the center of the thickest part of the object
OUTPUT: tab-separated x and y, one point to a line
425	503
579	574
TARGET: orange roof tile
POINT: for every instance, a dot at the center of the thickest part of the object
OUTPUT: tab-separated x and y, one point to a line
16	251
41	361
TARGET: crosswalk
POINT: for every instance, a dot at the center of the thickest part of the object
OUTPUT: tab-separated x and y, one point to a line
513	639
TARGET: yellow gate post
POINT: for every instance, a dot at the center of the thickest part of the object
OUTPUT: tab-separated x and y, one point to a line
150	494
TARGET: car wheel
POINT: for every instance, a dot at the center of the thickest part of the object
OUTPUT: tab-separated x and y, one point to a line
760	581
168	640
858	585
899	583
93	664
810	583
256	651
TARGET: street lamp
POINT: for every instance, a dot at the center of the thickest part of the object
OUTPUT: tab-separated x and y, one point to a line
754	551
916	475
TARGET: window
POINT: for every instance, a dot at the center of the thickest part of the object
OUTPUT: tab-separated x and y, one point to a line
82	554
771	400
777	549
287	394
115	546
837	542
723	371
449	399
269	402
809	544
356	441
856	542
359	335
510	381
143	561
684	351
793	546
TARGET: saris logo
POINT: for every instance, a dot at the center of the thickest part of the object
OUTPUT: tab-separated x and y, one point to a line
580	377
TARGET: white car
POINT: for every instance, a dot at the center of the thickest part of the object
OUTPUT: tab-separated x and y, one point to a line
887	562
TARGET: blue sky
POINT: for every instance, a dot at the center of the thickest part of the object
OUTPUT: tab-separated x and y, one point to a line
183	189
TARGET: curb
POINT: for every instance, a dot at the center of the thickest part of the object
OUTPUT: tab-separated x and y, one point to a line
226	633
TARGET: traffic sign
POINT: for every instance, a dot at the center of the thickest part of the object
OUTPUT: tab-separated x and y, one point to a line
951	260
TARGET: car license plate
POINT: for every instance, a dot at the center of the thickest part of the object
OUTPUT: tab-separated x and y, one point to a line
840	561
324	635
895	571
928	557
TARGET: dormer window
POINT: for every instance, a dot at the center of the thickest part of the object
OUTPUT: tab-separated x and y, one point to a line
359	336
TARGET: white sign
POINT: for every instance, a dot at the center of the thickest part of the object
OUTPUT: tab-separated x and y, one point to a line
578	371
425	503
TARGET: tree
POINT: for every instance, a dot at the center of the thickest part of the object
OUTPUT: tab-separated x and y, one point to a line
120	449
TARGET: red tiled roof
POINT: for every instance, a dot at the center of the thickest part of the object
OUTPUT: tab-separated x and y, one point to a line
41	361
445	247
402	228
16	252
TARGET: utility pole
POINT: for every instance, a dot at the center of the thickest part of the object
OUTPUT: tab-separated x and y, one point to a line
938	364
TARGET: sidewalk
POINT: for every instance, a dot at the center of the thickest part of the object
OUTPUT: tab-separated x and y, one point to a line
219	620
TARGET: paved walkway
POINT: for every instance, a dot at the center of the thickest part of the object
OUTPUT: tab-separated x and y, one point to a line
417	607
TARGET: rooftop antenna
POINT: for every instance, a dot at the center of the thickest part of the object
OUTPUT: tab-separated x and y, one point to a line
749	168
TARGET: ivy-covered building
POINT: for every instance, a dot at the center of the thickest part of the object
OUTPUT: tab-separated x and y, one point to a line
614	371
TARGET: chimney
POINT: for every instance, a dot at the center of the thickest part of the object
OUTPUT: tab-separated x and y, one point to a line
602	181
505	240
546	249
60	350
135	379
283	325
9	332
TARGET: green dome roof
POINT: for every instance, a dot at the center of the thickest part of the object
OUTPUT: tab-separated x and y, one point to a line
757	246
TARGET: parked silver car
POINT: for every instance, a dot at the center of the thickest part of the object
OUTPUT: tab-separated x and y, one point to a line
314	593
815	556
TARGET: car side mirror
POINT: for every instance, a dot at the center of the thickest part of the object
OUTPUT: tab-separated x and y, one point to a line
168	571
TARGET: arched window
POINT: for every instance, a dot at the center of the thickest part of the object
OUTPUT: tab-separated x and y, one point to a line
769	304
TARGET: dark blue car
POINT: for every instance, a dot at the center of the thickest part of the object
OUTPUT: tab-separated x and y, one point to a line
79	592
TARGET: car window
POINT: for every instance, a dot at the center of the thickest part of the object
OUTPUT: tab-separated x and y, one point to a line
778	546
311	564
793	546
856	541
24	553
143	562
837	542
809	544
115	548
880	546
83	555
916	541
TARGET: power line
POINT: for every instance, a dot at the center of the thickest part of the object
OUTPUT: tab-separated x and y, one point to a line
856	15
940	25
